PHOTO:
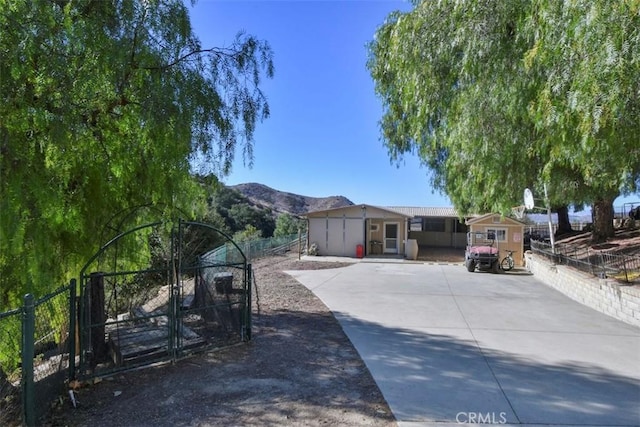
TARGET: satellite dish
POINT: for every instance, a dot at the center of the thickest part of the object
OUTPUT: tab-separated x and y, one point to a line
528	199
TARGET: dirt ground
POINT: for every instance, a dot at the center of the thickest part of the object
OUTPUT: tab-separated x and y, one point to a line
300	369
625	242
438	254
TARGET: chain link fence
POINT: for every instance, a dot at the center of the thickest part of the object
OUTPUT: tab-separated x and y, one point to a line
10	373
34	356
598	263
257	248
51	344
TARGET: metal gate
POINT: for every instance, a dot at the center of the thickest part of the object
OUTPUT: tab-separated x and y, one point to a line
159	292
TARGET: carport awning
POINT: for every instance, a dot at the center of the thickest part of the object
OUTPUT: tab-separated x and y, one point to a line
437	212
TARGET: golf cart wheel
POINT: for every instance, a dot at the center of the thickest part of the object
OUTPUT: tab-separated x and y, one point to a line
471	265
495	267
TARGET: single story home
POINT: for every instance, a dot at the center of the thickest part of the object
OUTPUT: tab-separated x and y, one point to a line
376	230
361	230
508	232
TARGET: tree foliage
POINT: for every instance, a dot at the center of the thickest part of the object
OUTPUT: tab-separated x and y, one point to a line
105	107
247	234
287	224
498	96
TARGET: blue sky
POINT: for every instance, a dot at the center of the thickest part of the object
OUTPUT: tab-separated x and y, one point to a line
322	138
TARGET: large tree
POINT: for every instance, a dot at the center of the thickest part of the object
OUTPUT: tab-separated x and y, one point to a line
588	53
469	86
104	107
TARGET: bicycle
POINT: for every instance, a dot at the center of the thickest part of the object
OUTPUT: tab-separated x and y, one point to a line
508	262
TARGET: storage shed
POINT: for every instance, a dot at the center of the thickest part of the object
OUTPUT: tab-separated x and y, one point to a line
509	233
358	230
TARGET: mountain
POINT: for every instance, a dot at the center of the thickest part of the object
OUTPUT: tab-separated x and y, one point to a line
283	202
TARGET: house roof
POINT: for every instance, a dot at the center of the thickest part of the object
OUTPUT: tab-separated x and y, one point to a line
362	205
425	212
485	216
407	211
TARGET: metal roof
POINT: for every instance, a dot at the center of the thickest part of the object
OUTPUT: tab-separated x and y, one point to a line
360	205
425	212
479	218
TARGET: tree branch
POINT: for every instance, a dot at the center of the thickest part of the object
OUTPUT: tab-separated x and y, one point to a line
229	53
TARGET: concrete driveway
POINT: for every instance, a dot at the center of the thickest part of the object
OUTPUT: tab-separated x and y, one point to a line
448	347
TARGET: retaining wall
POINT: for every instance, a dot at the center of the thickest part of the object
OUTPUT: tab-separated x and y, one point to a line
608	296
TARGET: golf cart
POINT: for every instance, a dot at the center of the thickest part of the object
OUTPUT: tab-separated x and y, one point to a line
482	252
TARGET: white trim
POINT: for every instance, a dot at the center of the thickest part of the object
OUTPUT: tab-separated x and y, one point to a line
497	231
395	249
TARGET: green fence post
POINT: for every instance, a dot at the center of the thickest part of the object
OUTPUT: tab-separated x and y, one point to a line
72	329
248	318
28	332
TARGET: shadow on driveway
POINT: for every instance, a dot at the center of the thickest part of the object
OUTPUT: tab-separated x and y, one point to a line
441	378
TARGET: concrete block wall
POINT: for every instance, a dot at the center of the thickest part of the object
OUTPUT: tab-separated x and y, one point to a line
617	300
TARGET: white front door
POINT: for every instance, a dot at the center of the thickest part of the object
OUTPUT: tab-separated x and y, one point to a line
391	237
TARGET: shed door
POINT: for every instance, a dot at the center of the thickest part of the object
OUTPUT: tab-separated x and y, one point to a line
318	234
353	236
344	235
335	239
336	236
391	237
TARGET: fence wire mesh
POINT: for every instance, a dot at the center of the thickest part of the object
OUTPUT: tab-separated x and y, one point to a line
132	313
51	348
213	309
256	248
10	337
49	320
602	264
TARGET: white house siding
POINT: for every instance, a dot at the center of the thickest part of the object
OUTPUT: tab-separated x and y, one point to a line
318	233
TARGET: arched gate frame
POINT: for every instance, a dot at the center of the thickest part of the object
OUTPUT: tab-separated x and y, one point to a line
160	292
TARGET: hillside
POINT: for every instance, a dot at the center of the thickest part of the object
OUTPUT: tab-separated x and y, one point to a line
283	202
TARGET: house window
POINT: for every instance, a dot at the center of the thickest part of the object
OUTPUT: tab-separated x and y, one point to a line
434	224
415	224
497	219
374	228
499	233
